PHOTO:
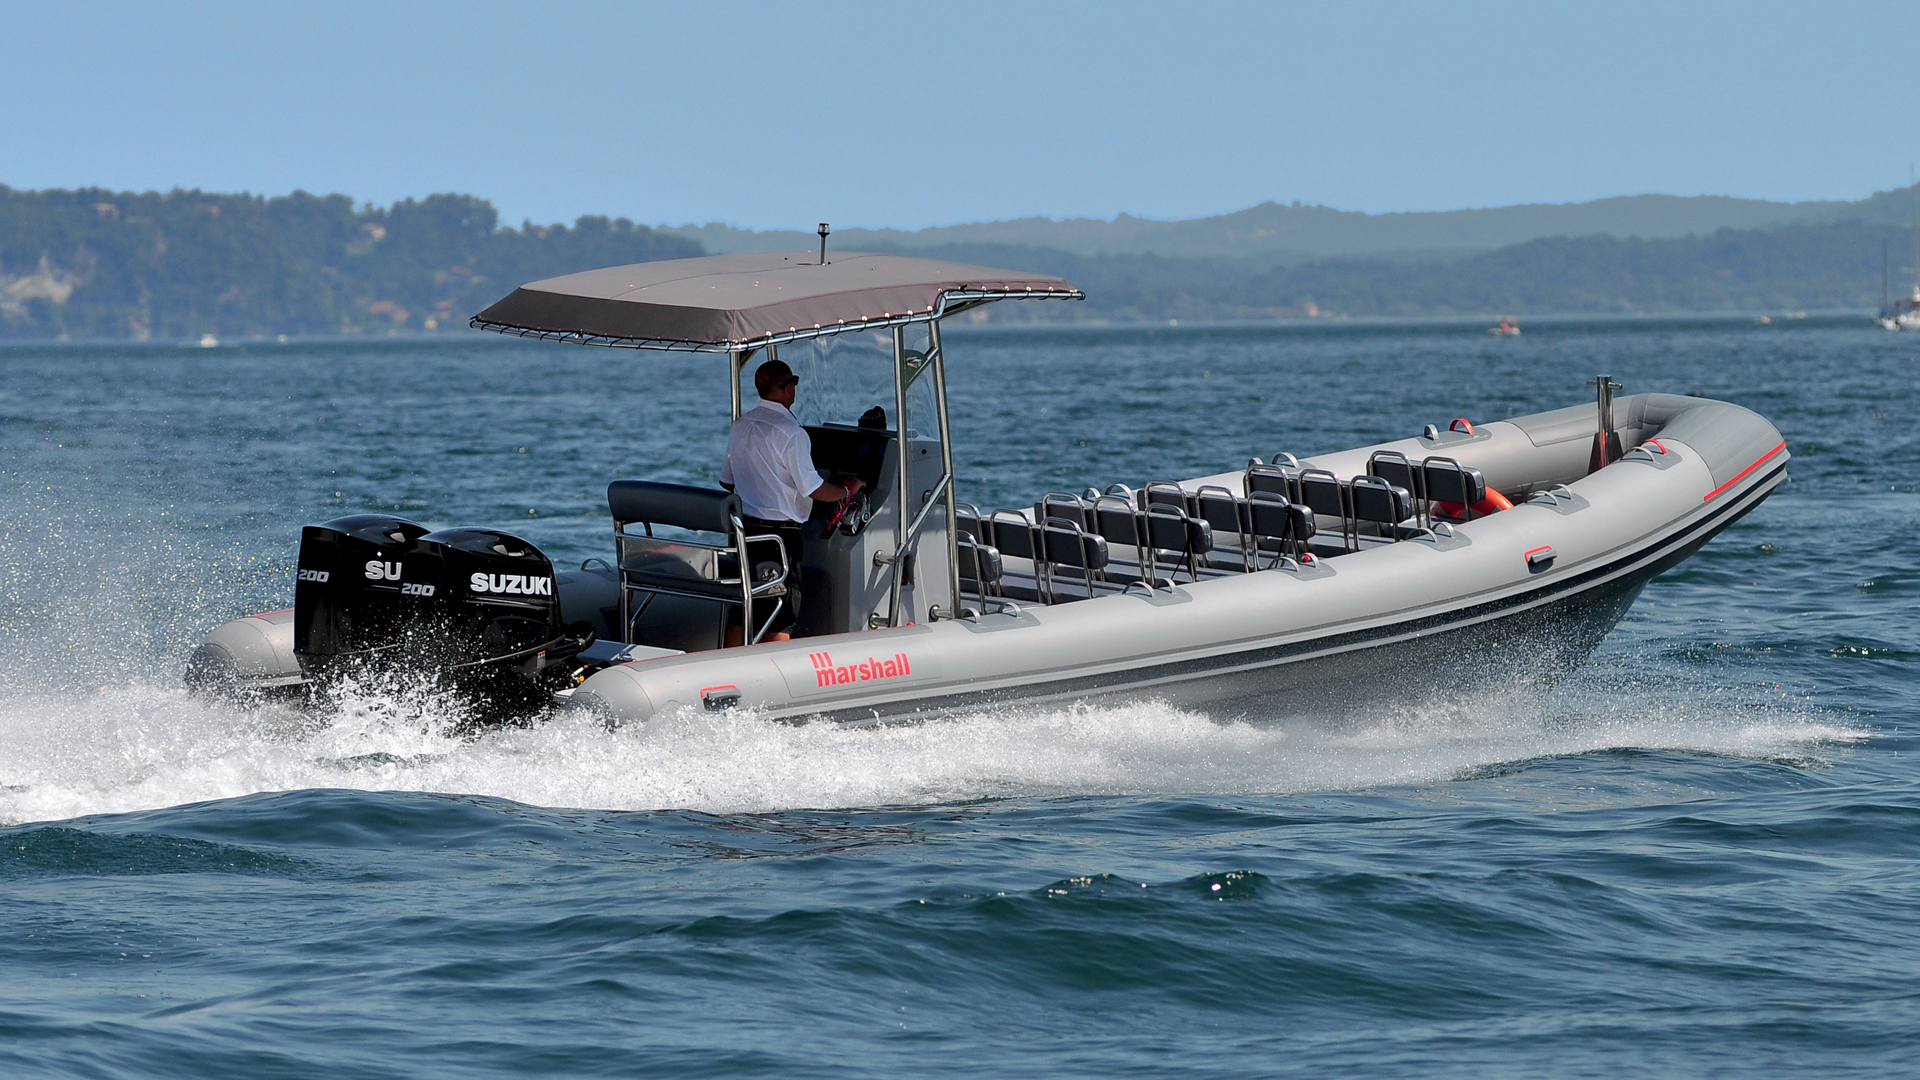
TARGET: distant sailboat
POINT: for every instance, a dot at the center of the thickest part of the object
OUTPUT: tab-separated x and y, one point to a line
1509	327
208	341
1904	313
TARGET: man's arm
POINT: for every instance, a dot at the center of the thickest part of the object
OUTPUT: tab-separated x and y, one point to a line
832	492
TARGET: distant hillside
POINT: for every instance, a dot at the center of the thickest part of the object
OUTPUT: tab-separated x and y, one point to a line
1298	233
100	264
1790	268
106	264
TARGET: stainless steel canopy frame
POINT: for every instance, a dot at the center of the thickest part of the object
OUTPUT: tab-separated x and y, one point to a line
733	305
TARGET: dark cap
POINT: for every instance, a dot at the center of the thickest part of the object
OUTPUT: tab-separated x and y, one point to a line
773	375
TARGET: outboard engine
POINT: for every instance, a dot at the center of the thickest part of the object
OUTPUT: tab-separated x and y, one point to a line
346	598
482	604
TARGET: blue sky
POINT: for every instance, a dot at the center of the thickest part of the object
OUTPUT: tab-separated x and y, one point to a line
908	115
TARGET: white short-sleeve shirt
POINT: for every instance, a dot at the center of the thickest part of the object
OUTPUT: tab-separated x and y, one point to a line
769	462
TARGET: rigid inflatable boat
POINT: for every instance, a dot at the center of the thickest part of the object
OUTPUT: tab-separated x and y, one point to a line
1455	561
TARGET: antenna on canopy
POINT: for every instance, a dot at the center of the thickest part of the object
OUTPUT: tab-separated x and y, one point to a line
823	231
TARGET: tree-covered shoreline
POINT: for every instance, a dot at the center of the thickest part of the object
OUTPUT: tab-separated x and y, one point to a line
101	264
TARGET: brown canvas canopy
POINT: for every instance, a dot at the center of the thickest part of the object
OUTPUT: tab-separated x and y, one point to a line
732	303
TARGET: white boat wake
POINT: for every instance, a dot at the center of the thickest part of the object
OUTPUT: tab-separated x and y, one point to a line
151	745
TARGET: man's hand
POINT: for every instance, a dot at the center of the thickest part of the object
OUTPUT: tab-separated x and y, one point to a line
845	489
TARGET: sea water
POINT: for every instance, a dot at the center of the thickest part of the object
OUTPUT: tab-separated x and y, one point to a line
1696	856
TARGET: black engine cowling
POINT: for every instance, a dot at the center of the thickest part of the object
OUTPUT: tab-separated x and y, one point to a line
484	600
346	599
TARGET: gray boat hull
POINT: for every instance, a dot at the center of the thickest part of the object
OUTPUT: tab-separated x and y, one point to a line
1506	602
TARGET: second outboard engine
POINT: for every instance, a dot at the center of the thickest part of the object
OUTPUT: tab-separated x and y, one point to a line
482	605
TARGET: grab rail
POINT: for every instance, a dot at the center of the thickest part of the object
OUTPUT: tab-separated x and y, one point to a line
935	497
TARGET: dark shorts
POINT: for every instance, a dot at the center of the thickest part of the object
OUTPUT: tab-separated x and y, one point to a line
790	534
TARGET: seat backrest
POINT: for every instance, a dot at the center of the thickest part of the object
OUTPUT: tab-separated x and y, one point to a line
1167	528
979	563
681	506
1393	467
1221	509
1167	493
1116	519
1272	479
1449	481
1376	500
1012	534
1059	504
1272	517
1068	544
1323	493
1269	515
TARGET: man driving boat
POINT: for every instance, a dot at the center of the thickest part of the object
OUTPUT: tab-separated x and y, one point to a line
769	464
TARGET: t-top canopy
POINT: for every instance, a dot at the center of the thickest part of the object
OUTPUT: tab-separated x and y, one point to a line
732	303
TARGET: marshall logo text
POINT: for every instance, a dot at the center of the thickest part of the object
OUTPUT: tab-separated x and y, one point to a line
821	672
827	674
